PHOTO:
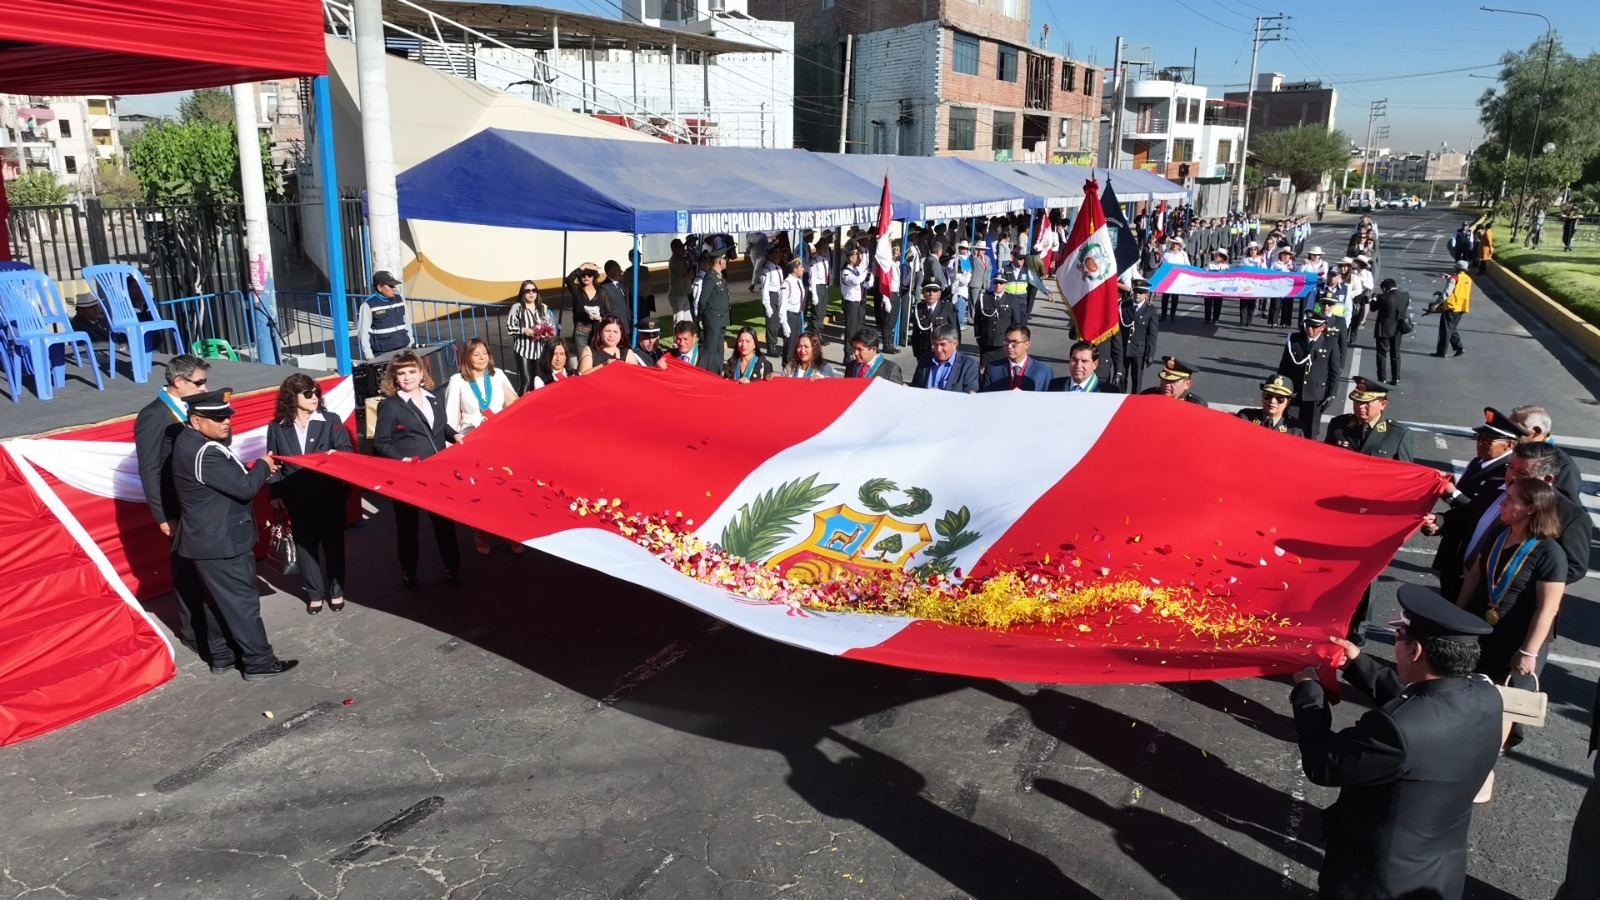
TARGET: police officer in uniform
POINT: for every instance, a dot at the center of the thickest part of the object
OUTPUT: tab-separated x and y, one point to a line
381	325
1134	344
217	530
1470	497
995	313
928	316
715	307
1275	395
1177	379
1367	432
1408	770
1311	361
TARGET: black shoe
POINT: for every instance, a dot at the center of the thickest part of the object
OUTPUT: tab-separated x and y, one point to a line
223	670
408	579
453	579
1459	352
339	607
313	610
1437	355
278	667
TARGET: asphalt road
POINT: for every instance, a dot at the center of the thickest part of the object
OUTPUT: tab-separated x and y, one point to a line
546	732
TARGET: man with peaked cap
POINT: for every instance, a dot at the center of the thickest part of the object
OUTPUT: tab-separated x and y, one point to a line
928	315
992	316
1276	392
217	529
714	305
1408	770
1472	495
1367	432
1134	345
1177	379
648	332
1312	362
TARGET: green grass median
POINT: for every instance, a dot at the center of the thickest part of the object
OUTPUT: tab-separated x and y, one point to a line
1571	279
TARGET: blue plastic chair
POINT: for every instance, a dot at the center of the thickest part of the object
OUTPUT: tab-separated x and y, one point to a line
111	285
8	360
21	306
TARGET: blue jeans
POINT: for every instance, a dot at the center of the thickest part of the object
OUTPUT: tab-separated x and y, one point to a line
961	312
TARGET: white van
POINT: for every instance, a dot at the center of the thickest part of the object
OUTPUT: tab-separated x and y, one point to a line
1361	200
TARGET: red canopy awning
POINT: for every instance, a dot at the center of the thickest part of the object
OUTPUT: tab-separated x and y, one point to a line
116	47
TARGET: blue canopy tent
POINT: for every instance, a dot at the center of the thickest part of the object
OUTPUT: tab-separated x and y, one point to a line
557	182
933	188
1046	187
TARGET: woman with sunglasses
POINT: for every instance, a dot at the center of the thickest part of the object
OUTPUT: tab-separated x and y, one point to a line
529	323
746	365
316	503
588	301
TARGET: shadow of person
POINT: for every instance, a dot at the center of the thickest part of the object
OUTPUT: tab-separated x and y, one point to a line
1236	706
1176	854
1173	768
884	795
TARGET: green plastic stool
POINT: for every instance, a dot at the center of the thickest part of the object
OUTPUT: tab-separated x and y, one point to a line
215	348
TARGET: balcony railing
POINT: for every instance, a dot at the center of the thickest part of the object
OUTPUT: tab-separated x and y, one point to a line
1137	125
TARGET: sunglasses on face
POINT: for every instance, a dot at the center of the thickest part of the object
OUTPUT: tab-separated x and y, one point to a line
200	383
308	394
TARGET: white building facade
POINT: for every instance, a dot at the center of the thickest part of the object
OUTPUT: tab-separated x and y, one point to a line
68	136
1173	129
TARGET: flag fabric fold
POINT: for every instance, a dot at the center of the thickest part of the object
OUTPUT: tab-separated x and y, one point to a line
1123	241
883	253
1088	272
823	532
1238	283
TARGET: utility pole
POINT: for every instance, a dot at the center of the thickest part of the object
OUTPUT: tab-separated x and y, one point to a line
1377	110
1383	137
1115	144
844	100
1263	35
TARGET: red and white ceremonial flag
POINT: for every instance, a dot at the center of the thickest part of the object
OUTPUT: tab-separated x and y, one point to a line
825	531
883	254
1088	273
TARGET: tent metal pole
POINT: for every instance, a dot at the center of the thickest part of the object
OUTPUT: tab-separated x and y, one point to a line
636	267
905	247
333	231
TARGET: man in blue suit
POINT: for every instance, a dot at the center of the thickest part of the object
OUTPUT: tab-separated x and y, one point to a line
945	368
1018	371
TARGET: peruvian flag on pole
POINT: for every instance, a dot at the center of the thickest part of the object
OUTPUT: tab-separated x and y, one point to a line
1088	273
883	255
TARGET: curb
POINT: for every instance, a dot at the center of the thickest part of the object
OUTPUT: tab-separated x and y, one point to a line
1578	332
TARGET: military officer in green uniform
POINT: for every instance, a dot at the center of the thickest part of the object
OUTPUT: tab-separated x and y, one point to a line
1275	395
1366	431
715	308
1177	381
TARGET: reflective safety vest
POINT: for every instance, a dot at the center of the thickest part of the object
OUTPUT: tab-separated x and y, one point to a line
388	331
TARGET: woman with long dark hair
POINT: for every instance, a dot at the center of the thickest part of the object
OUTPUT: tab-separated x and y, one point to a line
529	323
315	502
478	391
556	365
746	365
605	347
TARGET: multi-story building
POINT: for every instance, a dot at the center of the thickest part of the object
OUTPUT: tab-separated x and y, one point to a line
69	136
935	77
1283	104
1169	126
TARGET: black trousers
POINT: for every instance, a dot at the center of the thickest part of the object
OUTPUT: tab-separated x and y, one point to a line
1133	375
794	335
319	546
886	322
1281	311
189	592
1247	312
236	604
1583	865
774	326
1448	338
407	524
1213	310
714	338
1309	412
1169	306
1388	357
854	318
819	310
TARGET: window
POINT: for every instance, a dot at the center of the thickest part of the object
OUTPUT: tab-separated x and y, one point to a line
1224	152
1069	77
1007	68
1069	134
1088	84
1087	135
964	56
1183	150
963	128
66	128
71	164
1005	132
1194	111
99	107
1013	9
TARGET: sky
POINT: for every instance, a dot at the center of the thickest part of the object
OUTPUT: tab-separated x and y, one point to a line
1421	61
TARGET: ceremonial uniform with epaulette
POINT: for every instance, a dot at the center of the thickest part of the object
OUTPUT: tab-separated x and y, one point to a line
1475	492
1407	771
1177	382
1275	390
1312	361
993	315
1134	344
715	311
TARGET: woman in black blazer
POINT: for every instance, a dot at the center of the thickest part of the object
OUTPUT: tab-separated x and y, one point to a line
315	502
412	425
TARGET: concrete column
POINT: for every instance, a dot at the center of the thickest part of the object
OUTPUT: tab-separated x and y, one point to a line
383	208
262	302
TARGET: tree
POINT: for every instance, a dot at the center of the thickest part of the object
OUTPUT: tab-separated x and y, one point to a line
37	187
1304	154
214	105
1564	101
117	186
193	162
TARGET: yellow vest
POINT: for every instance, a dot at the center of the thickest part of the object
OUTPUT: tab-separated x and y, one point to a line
1460	299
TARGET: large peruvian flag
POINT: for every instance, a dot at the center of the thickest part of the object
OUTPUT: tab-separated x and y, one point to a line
883	254
868	499
1088	273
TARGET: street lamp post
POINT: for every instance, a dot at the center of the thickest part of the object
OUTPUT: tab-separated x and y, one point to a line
1538	109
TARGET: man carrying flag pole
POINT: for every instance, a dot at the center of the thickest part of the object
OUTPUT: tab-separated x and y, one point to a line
888	271
1088	273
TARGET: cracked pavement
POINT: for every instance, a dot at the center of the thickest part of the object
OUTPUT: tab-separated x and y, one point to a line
546	732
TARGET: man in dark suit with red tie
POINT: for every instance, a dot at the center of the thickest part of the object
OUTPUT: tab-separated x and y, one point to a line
1018	372
867	362
945	368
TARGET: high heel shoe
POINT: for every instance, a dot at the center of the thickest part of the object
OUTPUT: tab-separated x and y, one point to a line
1486	793
336	605
314	607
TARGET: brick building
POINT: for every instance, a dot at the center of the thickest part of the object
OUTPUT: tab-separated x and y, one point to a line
936	77
1283	104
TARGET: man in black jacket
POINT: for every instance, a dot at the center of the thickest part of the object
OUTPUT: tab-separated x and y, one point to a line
927	317
1134	345
217	530
1474	496
1583	866
1311	361
154	430
1389	309
1407	771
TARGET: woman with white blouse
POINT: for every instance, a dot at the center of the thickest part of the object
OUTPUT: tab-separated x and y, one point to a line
473	395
